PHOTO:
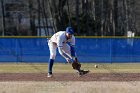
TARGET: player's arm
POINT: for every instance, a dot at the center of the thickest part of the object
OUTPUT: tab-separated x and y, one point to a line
64	55
73	53
72	48
60	49
76	65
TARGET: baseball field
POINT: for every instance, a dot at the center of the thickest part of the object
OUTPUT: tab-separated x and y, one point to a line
32	78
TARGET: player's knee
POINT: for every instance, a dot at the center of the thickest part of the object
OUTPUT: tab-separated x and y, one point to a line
52	56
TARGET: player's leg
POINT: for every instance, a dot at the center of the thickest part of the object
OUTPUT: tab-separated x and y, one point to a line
52	48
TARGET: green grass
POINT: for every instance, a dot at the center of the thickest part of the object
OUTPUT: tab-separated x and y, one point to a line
66	68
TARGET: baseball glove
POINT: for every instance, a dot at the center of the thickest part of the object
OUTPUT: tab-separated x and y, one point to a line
75	64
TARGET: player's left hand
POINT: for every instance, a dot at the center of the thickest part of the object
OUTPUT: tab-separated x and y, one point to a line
75	59
76	65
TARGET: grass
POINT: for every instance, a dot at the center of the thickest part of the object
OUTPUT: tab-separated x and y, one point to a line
69	87
66	68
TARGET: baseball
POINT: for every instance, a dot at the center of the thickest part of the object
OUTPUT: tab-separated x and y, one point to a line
96	66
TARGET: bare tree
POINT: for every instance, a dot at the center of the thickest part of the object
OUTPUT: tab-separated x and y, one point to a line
88	17
3	18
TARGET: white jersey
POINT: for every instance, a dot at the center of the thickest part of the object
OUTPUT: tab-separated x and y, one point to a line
60	38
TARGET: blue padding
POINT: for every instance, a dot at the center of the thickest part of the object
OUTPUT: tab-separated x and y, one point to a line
87	49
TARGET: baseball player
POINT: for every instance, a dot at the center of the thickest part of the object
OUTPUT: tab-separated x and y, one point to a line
65	42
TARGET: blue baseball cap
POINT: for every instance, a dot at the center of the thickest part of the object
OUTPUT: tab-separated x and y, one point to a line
69	30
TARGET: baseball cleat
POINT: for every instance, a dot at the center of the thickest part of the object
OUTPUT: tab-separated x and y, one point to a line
82	72
49	75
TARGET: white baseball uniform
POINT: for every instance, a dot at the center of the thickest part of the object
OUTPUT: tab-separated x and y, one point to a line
59	40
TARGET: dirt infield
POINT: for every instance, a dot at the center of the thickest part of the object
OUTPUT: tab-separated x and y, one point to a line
70	77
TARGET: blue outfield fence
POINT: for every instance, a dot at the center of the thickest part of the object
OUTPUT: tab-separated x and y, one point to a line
88	50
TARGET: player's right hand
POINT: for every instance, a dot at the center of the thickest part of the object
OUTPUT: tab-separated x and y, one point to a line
68	60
